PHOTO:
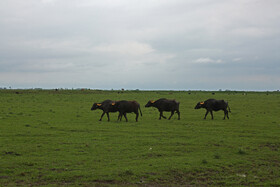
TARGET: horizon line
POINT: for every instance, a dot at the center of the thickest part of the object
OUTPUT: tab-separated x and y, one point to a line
123	89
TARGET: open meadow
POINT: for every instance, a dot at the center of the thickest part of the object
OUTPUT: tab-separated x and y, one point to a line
50	137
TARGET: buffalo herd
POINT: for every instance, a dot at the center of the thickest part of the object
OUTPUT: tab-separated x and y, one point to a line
167	105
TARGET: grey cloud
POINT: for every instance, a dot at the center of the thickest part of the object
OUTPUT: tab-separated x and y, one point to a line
150	44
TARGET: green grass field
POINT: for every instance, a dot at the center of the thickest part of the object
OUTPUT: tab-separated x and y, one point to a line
52	137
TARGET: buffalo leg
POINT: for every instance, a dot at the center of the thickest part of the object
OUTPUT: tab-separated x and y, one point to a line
120	116
178	114
101	116
211	112
108	116
226	114
172	112
125	117
137	114
206	114
161	115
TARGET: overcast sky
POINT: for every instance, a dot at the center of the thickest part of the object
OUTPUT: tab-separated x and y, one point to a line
140	44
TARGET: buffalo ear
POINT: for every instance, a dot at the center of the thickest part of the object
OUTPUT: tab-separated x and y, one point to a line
202	103
113	104
98	104
152	101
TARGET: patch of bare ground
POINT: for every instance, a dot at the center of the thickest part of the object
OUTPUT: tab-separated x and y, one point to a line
271	146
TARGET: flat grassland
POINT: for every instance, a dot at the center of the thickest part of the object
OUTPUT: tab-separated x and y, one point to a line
50	137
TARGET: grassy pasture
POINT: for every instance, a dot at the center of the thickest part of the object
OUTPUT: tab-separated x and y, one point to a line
53	138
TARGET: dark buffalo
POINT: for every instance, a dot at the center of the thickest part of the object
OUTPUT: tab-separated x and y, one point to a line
165	105
127	107
214	105
107	106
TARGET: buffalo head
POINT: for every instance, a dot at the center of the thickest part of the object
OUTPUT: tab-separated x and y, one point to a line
199	105
150	103
95	106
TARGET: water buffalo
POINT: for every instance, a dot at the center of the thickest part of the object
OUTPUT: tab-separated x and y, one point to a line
214	105
127	107
107	106
165	105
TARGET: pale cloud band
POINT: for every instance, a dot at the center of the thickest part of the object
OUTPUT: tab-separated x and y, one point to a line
208	60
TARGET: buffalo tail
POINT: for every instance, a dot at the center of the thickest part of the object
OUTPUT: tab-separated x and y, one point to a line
228	107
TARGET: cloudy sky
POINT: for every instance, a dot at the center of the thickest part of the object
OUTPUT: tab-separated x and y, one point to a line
140	44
